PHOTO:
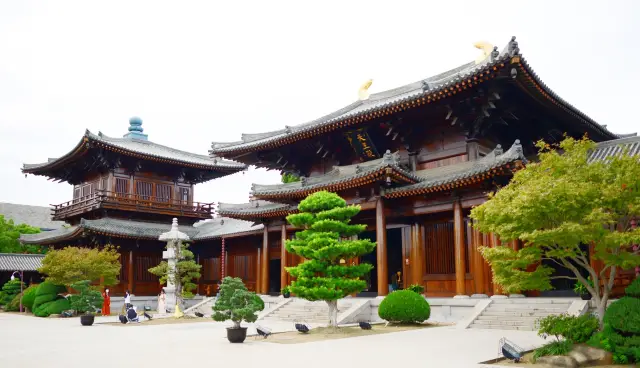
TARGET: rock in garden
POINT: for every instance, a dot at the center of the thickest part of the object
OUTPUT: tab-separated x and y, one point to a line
584	354
558	361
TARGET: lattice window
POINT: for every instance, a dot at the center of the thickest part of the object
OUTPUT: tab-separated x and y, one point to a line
76	194
242	267
122	186
86	190
144	189
143	264
124	266
184	194
163	192
211	269
439	248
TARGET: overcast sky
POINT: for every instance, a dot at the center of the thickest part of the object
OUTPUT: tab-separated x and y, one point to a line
203	71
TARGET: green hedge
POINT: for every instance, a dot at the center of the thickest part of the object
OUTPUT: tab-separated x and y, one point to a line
404	306
46	294
9	290
29	296
55	307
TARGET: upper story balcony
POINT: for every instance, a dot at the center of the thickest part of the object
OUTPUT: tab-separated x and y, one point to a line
101	199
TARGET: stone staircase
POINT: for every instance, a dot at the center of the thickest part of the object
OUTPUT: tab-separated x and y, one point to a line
519	313
300	310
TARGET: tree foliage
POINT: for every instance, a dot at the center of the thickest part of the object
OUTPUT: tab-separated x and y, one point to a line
558	206
325	274
88	299
186	271
10	238
9	290
236	303
289	178
74	264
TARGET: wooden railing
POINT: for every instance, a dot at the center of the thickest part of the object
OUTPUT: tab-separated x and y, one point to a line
131	202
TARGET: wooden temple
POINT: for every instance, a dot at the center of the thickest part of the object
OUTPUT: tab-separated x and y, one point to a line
416	158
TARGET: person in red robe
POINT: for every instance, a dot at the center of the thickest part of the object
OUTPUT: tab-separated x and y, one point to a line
106	304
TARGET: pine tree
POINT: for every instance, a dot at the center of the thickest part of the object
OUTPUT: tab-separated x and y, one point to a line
324	244
186	271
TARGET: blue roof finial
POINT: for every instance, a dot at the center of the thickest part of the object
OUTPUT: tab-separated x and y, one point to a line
135	129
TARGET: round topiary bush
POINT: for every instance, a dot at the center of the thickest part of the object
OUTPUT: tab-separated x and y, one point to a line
404	306
621	335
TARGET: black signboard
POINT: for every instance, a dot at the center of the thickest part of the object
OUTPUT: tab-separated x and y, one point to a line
362	144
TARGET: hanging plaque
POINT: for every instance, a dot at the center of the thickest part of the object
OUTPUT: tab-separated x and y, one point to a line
362	144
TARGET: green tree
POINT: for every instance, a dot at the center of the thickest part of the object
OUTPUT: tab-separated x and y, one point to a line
558	205
186	271
88	299
324	244
74	264
289	178
236	303
9	290
10	238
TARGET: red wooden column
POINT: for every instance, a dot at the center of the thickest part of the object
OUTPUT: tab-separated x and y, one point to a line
223	259
381	248
259	271
459	246
130	286
478	269
417	257
265	260
283	257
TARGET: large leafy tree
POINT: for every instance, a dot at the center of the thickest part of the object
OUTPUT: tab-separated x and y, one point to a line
70	265
183	276
10	238
559	206
324	244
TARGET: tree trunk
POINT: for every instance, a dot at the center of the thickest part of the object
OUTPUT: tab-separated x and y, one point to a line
333	313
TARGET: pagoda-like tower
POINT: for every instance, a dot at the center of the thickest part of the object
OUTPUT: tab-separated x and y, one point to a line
416	159
125	192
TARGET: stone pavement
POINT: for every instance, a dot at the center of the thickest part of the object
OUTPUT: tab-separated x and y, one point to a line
35	342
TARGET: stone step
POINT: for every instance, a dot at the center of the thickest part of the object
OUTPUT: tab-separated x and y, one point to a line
532	301
504	323
517	314
507	318
529	306
491	327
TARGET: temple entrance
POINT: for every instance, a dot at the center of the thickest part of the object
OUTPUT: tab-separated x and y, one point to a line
394	262
274	276
563	287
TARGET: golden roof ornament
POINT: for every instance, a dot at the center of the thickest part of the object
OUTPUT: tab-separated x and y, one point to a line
363	93
486	50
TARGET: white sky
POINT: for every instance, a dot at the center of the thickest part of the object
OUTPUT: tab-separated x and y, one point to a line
198	72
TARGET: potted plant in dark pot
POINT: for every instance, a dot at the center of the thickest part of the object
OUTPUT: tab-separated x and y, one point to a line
286	292
236	304
86	302
582	290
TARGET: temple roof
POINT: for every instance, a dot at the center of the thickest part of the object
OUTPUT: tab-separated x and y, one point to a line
120	228
605	150
36	216
256	209
405	97
137	148
340	178
20	262
461	174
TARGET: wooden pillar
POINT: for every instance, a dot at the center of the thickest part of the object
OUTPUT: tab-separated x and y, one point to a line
417	259
486	241
130	286
495	242
459	246
259	271
223	259
478	270
283	257
265	260
381	248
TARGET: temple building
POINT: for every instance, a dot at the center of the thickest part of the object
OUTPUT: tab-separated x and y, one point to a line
416	159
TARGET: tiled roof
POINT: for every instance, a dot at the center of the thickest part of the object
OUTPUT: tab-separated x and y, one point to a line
36	216
448	177
255	209
142	148
406	96
340	178
20	262
141	230
605	150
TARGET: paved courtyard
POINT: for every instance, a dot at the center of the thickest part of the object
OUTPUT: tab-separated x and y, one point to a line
35	342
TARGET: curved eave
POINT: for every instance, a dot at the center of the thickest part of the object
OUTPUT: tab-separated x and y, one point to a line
88	141
448	89
230	235
70	235
359	180
257	215
463	182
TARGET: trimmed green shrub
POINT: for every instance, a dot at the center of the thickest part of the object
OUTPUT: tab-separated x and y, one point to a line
46	294
416	288
29	296
404	306
55	307
574	329
9	290
89	299
14	305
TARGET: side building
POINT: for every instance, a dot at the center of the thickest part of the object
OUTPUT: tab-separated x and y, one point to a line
125	193
416	158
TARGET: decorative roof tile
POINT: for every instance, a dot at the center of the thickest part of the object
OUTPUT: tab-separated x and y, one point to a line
54	236
36	216
225	226
605	150
20	262
456	175
256	209
339	178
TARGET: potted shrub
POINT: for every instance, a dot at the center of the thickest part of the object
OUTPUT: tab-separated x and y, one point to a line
236	304
86	303
286	292
581	290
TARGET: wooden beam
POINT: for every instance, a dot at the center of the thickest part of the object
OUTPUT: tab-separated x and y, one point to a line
381	248
265	261
458	241
283	257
